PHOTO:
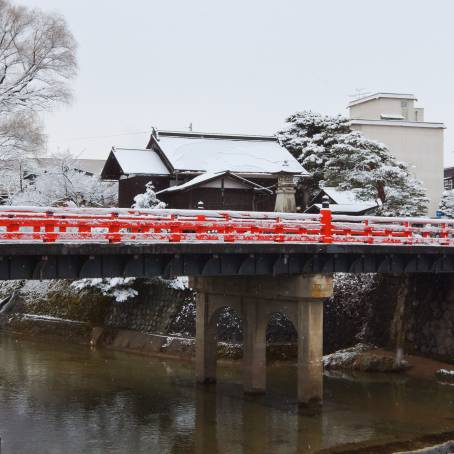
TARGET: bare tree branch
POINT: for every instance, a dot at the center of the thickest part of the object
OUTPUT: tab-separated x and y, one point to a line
37	61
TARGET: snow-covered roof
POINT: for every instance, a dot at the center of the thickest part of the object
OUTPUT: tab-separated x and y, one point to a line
373	96
345	197
136	161
208	176
216	153
194	182
344	201
347	208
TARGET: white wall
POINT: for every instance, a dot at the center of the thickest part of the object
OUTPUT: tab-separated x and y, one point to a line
420	147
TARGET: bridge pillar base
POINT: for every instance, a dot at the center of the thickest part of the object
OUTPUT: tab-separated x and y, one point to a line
255	298
206	348
254	347
310	352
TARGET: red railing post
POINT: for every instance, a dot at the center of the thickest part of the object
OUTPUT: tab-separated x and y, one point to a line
50	235
114	229
228	230
326	217
175	230
444	234
408	232
278	230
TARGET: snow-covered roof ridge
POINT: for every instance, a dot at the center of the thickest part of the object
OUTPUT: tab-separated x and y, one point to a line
378	95
215	135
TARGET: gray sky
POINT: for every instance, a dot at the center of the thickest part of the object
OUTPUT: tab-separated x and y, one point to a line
244	65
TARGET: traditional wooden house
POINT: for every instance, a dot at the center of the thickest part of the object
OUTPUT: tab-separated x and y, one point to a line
223	171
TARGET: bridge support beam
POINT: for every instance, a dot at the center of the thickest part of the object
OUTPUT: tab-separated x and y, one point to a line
300	298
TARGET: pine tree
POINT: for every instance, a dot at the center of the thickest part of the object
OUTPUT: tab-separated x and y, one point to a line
447	203
345	159
148	199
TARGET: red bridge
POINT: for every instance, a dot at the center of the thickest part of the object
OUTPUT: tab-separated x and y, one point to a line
143	226
72	243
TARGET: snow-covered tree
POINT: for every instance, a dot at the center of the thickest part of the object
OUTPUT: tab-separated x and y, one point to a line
447	203
309	136
345	159
59	182
37	59
148	199
368	166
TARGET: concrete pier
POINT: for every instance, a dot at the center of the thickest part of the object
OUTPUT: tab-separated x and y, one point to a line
255	299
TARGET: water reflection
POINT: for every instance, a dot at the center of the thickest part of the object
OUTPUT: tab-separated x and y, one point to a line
57	398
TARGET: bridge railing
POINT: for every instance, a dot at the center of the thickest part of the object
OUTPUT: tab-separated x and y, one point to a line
392	230
124	225
19	224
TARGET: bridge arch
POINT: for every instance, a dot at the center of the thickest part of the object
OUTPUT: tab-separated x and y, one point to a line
209	310
281	328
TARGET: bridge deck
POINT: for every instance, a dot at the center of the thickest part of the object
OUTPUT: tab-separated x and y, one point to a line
79	260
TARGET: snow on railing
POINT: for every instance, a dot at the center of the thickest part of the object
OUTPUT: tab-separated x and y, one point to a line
144	226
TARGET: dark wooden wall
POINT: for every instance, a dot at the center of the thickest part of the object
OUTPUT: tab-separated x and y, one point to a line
213	198
130	187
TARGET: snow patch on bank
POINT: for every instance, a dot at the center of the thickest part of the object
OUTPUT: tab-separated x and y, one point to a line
116	287
345	357
49	318
179	283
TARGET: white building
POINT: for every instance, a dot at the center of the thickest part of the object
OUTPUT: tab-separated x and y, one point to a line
393	119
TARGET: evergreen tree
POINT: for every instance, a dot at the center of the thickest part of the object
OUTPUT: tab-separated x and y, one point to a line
345	159
447	203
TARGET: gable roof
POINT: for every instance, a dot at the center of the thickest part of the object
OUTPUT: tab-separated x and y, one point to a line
210	176
129	161
200	152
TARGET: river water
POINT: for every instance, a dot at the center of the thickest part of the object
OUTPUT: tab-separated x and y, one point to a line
57	398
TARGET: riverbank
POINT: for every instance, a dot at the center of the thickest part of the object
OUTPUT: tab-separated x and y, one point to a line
50	329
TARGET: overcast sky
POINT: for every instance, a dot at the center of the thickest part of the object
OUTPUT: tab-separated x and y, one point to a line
242	66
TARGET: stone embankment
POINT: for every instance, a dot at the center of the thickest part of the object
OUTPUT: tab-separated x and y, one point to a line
365	308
